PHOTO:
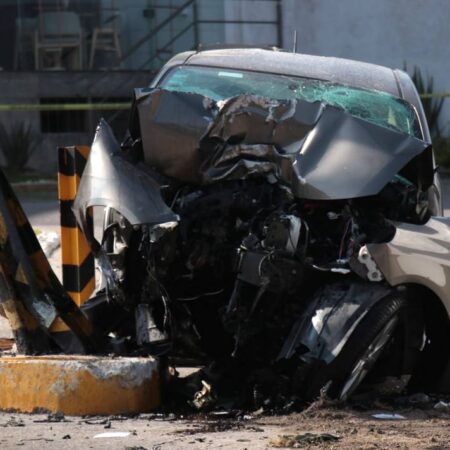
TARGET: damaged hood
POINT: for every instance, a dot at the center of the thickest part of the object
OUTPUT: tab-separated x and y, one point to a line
319	151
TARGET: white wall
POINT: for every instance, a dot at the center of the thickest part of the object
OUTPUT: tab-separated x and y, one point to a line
387	32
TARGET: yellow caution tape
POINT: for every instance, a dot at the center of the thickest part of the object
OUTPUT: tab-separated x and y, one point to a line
115	106
63	106
435	95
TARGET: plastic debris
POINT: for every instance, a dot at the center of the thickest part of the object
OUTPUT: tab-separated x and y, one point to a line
388	416
112	434
442	406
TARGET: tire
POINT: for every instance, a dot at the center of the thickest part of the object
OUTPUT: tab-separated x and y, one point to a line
360	353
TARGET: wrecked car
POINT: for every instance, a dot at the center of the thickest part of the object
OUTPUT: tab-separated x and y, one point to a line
275	218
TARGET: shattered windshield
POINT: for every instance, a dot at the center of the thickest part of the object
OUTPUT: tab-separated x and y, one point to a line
374	106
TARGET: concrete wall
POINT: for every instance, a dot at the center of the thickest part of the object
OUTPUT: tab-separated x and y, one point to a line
251	10
135	25
132	25
211	10
387	32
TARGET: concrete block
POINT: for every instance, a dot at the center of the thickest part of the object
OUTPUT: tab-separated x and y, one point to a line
79	385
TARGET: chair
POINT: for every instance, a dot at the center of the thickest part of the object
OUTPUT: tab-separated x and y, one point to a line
58	31
106	38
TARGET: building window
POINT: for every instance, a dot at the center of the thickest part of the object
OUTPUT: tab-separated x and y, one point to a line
63	121
117	119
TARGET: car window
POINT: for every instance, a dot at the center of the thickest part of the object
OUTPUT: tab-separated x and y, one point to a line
374	106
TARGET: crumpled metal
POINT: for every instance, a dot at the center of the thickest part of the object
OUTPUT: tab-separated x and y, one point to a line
319	151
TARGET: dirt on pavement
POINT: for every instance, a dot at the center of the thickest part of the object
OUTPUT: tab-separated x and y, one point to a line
318	427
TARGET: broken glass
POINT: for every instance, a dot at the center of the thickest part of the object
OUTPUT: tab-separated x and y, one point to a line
373	106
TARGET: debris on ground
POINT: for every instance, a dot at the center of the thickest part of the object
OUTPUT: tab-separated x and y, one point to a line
388	416
97	421
205	397
322	403
53	418
419	399
302	440
49	241
214	427
13	422
112	434
442	406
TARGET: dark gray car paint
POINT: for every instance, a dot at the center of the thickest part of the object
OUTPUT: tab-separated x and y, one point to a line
110	180
332	315
337	70
321	152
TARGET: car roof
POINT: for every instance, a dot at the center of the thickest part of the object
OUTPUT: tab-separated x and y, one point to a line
337	70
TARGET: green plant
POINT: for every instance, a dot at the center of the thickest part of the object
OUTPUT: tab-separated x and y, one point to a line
441	147
18	142
431	105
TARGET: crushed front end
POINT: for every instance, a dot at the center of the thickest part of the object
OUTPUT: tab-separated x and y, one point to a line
236	238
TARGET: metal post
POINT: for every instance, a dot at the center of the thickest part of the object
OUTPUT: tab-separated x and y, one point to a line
77	259
195	23
279	8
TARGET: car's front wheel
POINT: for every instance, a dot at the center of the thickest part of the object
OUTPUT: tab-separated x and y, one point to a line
360	353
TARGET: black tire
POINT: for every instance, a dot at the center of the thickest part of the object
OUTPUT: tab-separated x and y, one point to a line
360	353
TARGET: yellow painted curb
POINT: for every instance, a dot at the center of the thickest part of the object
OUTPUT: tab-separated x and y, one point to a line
79	385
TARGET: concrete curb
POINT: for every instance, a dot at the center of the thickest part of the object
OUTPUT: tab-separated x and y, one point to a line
79	385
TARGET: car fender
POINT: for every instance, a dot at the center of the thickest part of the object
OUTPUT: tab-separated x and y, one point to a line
110	180
418	255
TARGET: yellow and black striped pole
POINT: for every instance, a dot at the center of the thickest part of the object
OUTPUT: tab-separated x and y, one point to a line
77	259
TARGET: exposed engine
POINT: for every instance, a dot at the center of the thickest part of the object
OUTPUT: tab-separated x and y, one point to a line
225	284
